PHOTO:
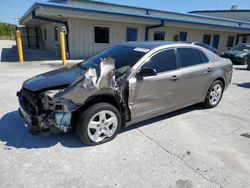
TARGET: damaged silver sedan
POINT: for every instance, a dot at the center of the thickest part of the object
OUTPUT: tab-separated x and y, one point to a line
119	86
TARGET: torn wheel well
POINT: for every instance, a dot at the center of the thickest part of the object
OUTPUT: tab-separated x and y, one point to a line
98	99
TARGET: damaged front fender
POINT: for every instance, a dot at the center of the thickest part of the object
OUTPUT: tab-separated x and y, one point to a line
94	82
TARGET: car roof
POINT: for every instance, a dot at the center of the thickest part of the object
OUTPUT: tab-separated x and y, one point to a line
149	45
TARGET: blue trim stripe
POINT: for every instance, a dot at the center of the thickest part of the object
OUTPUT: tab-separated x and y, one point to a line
218	11
73	7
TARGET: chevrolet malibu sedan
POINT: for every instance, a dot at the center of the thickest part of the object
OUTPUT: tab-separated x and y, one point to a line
121	85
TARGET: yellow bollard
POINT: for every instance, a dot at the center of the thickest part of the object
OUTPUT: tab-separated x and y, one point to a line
19	46
63	51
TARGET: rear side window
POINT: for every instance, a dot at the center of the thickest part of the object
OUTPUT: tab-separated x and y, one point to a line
191	56
162	61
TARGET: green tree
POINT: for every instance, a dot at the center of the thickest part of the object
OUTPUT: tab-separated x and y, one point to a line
6	29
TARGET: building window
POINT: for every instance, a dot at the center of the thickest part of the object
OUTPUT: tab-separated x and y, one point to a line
131	34
56	33
183	36
207	39
101	34
230	41
159	35
45	34
244	40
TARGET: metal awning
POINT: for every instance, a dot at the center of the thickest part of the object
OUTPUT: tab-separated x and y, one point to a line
60	11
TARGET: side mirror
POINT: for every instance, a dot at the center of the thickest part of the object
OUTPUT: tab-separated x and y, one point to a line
146	71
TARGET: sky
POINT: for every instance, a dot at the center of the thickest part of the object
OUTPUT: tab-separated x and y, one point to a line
12	9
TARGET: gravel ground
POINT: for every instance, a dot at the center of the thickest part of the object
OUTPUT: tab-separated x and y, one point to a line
192	147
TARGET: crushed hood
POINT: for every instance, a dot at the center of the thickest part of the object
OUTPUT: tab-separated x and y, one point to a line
96	80
54	79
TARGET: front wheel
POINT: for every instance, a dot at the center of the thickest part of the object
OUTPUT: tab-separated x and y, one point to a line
100	123
214	94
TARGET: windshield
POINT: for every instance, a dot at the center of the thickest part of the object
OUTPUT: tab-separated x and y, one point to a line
125	57
242	47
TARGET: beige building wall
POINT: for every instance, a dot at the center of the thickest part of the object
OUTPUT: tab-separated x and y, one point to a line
82	44
81	36
195	35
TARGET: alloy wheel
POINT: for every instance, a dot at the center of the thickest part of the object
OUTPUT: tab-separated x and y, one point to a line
102	125
215	94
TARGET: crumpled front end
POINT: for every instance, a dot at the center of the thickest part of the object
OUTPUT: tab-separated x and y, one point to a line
39	117
51	111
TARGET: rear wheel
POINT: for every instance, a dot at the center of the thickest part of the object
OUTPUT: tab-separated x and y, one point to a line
98	124
214	94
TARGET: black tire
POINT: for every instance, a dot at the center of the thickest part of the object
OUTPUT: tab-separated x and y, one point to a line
207	102
85	117
245	61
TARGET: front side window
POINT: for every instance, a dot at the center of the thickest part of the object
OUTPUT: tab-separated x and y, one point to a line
101	34
159	35
162	61
191	56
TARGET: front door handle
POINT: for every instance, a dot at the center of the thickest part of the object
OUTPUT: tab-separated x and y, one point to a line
174	78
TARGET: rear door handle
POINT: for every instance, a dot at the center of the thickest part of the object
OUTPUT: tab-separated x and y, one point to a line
174	78
208	70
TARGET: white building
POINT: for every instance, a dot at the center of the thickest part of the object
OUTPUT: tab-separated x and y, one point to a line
233	13
93	26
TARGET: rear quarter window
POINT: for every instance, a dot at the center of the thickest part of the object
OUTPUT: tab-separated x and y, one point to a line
204	58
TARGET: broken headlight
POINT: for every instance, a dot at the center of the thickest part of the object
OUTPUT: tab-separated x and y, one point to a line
50	102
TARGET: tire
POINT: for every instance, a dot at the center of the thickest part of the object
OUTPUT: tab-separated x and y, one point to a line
98	124
208	103
245	61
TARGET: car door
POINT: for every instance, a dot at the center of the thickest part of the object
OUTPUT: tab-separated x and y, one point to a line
195	75
154	94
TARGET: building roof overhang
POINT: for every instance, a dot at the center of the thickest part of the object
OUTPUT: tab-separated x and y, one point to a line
62	11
